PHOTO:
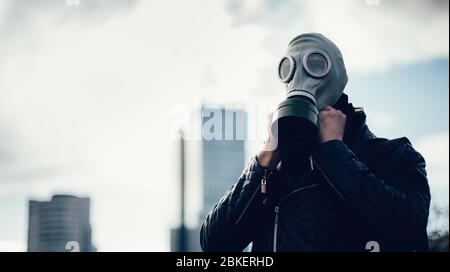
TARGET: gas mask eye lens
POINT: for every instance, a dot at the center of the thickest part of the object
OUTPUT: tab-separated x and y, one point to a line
286	69
317	64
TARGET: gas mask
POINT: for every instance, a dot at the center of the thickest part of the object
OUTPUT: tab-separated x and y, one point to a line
314	76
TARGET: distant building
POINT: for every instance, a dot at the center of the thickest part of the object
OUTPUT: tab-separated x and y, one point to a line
222	160
192	240
59	223
222	152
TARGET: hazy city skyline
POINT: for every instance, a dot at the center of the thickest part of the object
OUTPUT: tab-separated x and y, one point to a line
86	94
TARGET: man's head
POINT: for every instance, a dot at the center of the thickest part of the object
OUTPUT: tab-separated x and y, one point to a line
313	67
314	75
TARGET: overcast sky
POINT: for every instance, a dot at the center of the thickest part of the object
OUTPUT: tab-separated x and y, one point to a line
87	92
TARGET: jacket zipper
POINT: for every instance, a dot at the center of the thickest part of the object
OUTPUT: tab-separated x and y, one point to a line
261	187
275	229
264	183
277	211
328	181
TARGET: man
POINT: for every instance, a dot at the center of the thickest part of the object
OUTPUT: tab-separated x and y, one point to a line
352	192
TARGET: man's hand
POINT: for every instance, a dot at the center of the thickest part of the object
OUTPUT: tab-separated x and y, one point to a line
269	155
332	127
332	124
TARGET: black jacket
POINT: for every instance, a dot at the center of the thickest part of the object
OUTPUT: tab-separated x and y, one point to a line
358	190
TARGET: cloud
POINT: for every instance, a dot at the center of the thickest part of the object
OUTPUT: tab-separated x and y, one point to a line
12	246
7	148
435	150
381	121
27	25
28	28
371	37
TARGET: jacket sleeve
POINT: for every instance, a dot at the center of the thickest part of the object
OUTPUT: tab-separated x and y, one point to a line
397	206
230	224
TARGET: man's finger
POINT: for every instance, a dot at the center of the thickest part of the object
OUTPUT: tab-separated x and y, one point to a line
328	108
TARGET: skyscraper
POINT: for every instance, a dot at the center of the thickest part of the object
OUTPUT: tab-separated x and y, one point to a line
223	156
222	150
60	224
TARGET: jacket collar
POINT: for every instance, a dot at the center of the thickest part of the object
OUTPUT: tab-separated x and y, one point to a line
357	133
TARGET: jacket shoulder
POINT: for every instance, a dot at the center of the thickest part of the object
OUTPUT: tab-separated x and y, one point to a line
403	152
386	156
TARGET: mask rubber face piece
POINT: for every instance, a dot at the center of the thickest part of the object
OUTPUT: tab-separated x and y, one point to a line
313	67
